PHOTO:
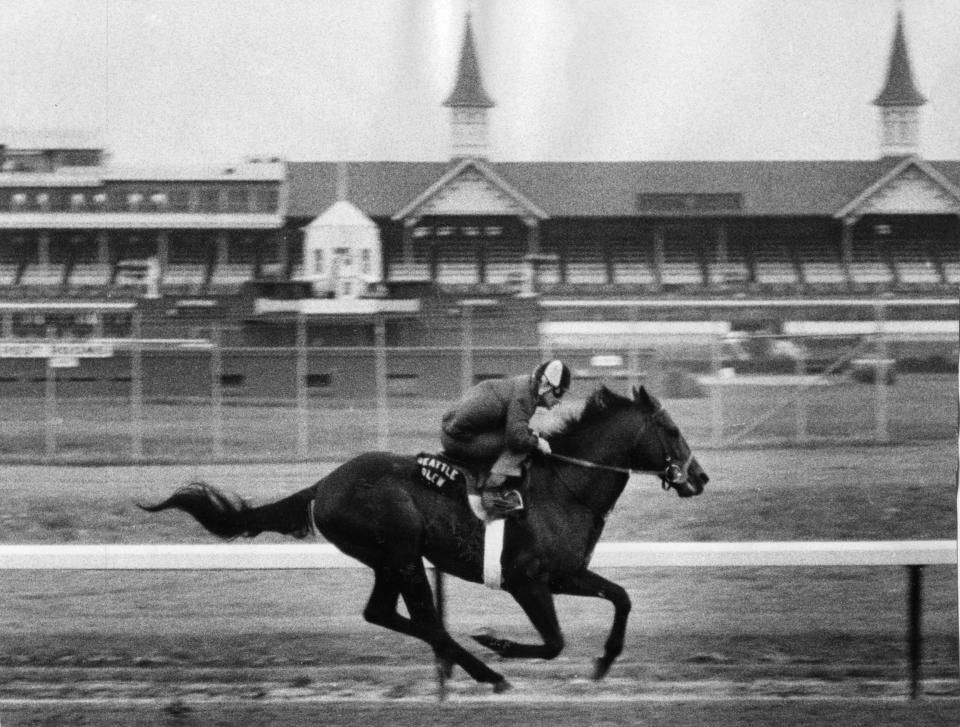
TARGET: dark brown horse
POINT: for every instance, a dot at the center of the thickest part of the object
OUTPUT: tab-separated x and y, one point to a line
376	509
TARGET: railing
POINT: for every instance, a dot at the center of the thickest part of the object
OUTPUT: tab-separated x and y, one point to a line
913	554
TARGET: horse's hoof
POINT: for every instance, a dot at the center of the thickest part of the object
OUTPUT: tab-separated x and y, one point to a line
600	668
502	686
445	668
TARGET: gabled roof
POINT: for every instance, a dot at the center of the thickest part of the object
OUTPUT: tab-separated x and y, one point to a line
343	214
487	172
899	89
468	90
608	189
931	172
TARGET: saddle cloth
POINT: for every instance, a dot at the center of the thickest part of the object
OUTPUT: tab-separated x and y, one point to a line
438	470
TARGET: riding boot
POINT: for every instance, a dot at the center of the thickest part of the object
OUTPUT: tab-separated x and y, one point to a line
497	499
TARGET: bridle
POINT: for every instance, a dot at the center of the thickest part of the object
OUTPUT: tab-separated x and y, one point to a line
671	475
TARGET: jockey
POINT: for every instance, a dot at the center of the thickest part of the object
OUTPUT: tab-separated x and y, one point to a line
491	427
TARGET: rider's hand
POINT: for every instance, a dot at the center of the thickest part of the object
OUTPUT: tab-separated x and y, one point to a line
543	445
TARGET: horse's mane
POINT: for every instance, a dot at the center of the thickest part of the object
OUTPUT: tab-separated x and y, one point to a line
599	406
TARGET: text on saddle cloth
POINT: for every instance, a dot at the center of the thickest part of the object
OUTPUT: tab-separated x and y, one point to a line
440	472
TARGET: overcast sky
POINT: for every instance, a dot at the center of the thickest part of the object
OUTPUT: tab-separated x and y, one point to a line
218	80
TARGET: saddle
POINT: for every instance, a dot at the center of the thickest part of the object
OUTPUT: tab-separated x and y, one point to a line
442	471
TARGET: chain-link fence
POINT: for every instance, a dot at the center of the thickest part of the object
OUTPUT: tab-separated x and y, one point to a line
196	400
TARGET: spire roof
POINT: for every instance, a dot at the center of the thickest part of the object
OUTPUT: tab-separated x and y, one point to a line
899	89
468	90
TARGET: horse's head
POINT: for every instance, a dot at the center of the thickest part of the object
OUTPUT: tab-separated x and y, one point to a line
665	450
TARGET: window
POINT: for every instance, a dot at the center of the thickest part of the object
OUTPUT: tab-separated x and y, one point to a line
18	201
689	202
100	200
318	262
319	381
77	201
365	261
159	200
232	380
43	201
134	200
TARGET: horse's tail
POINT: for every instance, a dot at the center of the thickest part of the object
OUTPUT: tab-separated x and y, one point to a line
229	516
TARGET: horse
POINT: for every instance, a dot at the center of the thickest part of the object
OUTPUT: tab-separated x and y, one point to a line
376	509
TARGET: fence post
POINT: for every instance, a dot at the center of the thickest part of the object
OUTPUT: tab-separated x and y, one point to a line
216	392
442	667
914	638
50	410
716	396
466	348
302	401
380	372
136	387
882	433
800	402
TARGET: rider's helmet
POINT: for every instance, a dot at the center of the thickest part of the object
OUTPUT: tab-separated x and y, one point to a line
552	376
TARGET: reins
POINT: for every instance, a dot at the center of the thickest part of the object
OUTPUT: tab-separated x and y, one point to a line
670	475
665	474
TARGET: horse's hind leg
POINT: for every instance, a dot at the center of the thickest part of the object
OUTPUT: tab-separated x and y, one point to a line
536	600
425	624
381	610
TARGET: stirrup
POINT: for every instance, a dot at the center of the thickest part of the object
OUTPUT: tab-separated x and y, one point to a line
501	502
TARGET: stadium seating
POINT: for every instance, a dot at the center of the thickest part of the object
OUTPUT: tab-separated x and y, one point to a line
89	275
43	275
504	262
820	264
681	263
185	277
230	276
585	263
457	263
631	263
868	264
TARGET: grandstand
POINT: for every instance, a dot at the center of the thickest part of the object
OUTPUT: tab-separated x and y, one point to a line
772	235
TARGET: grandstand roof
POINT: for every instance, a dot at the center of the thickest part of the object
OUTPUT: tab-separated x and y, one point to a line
609	189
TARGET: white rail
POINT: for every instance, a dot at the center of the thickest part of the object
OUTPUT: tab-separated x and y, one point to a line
249	556
914	554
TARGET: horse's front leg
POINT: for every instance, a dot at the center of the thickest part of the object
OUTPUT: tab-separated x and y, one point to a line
536	600
588	583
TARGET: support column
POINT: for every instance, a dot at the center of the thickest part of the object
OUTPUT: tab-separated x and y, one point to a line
722	255
222	248
466	348
163	250
43	248
103	247
659	254
846	245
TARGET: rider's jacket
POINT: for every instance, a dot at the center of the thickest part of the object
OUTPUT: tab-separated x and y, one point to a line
501	407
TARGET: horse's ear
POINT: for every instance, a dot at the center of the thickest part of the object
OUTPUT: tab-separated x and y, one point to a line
641	396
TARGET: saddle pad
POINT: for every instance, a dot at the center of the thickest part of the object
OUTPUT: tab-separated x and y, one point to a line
438	471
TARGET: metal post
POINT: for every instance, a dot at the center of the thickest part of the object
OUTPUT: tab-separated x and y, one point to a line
716	392
442	667
50	410
914	637
380	372
880	379
302	401
136	387
216	392
466	348
800	401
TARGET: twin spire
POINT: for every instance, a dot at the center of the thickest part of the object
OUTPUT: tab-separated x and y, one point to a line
899	102
468	104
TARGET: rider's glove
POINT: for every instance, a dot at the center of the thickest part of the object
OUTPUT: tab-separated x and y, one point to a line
543	445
